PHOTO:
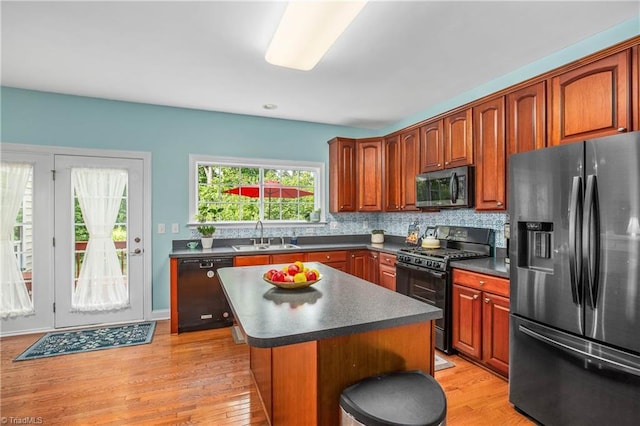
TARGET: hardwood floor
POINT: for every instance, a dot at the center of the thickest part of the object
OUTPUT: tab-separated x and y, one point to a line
191	378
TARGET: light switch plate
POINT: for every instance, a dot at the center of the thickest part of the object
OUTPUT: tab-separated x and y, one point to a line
161	228
175	228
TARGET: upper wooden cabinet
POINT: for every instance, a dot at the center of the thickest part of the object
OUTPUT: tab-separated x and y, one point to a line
591	101
635	86
342	175
432	146
458	139
447	142
369	167
488	125
401	165
526	119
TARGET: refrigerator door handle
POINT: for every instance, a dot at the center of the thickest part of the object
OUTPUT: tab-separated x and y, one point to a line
575	240
453	187
603	363
591	239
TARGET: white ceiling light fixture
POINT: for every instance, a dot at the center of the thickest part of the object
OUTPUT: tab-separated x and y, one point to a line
308	29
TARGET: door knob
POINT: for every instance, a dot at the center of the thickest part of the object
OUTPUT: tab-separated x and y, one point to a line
136	251
136	239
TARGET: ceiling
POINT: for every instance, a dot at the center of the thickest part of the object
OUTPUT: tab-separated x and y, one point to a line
395	60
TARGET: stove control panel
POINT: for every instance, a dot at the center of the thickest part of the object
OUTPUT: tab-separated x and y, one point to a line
423	262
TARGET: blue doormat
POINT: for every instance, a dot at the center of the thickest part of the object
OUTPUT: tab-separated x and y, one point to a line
95	339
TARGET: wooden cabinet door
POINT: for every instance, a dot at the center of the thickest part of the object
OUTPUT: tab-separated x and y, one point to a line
432	146
402	164
526	122
372	267
467	321
369	159
458	139
357	263
410	162
495	332
635	87
392	174
259	259
591	101
488	124
342	175
387	277
287	258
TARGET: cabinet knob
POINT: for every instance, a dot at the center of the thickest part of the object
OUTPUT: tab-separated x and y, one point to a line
481	282
499	204
446	163
475	297
439	164
486	300
375	257
328	257
621	129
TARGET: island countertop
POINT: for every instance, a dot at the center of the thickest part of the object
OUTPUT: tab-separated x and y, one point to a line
337	305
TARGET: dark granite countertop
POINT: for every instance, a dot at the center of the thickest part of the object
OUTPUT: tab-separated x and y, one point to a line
337	305
392	244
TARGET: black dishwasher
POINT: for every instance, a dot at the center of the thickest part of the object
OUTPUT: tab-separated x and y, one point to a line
201	301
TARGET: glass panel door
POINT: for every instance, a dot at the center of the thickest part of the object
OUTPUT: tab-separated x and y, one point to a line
25	242
99	257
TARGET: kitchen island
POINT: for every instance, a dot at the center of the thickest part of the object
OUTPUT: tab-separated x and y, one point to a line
307	345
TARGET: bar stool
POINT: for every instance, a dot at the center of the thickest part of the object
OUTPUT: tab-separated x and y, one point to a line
399	399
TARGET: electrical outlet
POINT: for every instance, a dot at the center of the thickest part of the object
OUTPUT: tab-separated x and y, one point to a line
161	228
365	224
175	228
333	224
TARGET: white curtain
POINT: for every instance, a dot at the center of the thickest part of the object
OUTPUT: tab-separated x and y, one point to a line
101	285
14	296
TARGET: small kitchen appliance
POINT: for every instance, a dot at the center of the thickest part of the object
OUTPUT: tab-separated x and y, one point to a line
449	188
424	273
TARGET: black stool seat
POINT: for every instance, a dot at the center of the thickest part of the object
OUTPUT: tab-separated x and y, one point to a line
407	398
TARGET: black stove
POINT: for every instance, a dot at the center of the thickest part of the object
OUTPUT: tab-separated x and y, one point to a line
423	273
439	258
456	243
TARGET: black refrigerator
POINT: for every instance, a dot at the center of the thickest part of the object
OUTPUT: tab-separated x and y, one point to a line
575	282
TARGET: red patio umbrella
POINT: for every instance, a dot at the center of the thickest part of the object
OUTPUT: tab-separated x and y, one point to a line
271	189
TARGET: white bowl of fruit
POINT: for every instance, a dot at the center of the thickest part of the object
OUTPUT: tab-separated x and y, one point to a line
292	276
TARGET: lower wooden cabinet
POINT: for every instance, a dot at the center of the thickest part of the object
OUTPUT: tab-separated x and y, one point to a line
336	259
387	271
481	318
364	264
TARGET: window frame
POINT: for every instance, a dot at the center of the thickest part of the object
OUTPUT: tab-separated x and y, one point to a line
319	189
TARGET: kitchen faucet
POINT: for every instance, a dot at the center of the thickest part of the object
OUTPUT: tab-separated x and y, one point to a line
261	231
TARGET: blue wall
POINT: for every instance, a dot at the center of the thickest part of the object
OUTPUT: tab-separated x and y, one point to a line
171	134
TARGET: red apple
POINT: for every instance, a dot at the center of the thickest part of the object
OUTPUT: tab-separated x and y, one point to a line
270	273
293	269
311	276
278	276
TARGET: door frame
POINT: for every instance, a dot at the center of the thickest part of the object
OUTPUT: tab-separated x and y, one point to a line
146	205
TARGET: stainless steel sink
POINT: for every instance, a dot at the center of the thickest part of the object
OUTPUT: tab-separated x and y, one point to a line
263	247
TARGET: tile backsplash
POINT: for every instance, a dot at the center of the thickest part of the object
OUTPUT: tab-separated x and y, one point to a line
392	223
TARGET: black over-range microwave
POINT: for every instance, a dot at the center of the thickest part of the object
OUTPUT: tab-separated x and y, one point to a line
450	188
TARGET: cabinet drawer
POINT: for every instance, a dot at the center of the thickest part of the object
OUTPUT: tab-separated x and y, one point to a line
482	282
387	259
327	256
